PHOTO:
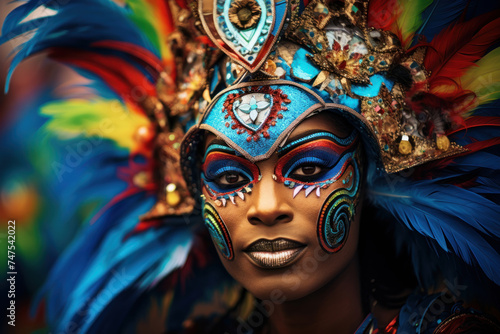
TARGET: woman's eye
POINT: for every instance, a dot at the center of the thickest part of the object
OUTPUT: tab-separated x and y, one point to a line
307	170
231	178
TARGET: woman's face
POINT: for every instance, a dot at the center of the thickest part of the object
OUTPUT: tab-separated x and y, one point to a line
271	237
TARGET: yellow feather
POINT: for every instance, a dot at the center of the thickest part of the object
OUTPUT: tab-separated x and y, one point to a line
108	119
410	18
484	79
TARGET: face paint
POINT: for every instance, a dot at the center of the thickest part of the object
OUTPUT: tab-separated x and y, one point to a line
226	175
338	211
218	231
314	162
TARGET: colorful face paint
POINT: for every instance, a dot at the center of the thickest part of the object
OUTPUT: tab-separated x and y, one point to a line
226	175
314	161
338	211
218	231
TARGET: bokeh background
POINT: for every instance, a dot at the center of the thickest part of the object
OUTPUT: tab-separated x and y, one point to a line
31	191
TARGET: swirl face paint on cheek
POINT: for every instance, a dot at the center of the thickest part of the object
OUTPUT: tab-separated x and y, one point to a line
338	211
218	231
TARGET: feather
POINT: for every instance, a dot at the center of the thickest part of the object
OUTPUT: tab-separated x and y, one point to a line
127	81
456	48
440	15
87	118
96	20
147	58
446	214
19	13
410	19
154	18
102	259
477	121
484	78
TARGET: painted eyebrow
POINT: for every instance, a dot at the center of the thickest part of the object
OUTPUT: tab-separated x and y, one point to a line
218	145
314	134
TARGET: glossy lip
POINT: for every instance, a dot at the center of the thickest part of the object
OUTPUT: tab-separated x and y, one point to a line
273	254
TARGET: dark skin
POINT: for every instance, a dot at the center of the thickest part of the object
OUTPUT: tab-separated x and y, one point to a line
316	313
318	292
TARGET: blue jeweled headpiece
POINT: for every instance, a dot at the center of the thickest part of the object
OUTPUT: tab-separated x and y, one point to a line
327	58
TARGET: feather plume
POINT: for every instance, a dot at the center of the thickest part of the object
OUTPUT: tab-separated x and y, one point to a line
448	215
97	21
86	118
100	261
484	78
126	80
154	18
459	46
439	15
410	19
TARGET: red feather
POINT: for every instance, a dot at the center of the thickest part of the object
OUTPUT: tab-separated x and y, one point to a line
459	46
476	121
143	226
145	56
127	81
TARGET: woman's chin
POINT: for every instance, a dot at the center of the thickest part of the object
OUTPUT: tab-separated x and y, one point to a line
282	287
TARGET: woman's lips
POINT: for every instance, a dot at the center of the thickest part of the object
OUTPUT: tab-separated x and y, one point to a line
271	254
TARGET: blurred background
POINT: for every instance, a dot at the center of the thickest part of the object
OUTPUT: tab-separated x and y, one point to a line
30	189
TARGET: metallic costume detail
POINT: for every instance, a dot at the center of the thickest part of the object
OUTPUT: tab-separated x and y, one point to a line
218	231
246	30
254	110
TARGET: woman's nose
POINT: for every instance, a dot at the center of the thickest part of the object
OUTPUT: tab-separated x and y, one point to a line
269	204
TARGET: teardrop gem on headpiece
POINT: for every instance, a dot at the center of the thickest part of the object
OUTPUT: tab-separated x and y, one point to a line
246	30
252	110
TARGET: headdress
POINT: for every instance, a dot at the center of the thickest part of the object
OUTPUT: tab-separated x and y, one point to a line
419	80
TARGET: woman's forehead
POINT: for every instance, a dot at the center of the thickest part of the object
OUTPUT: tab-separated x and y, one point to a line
324	122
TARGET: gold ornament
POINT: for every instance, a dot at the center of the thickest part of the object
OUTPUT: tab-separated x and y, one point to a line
442	142
173	197
244	14
270	67
405	145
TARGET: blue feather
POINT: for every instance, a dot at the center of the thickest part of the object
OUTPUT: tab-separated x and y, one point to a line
85	278
77	24
448	215
439	15
20	13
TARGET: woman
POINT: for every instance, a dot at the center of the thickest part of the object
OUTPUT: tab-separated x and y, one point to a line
276	254
336	164
285	158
